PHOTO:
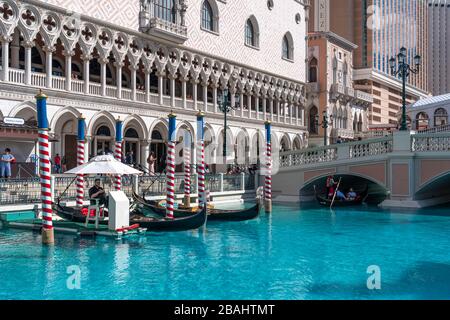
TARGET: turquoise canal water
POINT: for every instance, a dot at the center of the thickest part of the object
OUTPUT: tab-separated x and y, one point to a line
307	253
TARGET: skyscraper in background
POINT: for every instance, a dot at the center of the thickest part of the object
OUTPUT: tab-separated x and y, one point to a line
439	46
379	28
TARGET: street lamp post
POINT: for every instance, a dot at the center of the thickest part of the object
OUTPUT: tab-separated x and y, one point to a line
403	69
224	104
326	122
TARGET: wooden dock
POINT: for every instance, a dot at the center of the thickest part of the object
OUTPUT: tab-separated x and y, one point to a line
73	228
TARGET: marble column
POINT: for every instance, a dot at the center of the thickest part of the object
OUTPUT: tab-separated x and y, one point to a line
86	71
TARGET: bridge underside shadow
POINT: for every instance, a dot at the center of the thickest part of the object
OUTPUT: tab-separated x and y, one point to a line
437	188
377	192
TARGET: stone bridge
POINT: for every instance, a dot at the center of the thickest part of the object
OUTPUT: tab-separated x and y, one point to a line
405	169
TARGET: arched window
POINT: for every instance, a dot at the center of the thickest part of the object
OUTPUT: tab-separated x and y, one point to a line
131	133
103	131
288	47
165	9
313	113
252	32
440	117
313	70
207	16
421	121
249	34
156	135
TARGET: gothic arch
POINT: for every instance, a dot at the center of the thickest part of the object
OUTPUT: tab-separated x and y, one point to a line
137	123
101	116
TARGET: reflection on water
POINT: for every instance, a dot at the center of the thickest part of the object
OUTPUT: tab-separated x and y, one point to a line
293	253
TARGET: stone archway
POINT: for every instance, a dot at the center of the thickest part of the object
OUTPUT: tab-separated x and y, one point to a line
65	127
158	143
102	131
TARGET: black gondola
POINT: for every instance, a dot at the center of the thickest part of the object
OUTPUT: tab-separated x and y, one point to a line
194	221
324	201
147	207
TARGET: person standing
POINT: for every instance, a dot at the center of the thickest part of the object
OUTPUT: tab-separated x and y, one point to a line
5	164
64	164
151	160
57	162
330	186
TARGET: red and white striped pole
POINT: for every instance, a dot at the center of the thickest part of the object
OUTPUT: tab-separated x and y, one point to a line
202	201
170	169
80	160
268	180
45	170
118	153
187	169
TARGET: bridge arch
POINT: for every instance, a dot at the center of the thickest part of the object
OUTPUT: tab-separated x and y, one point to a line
359	182
434	187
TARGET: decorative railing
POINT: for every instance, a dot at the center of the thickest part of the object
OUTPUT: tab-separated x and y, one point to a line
335	152
77	86
308	156
17	76
58	83
95	89
38	79
431	142
28	191
127	94
444	128
371	147
20	191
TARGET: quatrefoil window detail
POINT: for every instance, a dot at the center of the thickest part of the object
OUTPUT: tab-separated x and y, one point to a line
50	23
69	30
87	34
119	42
29	17
134	47
6	12
104	38
148	51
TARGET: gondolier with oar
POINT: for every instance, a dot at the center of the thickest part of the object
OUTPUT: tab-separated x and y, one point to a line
330	185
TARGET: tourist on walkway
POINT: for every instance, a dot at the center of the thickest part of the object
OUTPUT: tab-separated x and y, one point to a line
57	162
151	160
130	158
5	164
63	164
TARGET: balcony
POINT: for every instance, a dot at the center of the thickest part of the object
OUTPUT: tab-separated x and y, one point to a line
312	87
343	133
363	96
167	30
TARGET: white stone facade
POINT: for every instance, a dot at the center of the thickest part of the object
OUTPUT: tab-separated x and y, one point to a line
77	60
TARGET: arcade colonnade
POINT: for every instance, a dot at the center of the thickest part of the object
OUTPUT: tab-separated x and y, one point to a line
145	134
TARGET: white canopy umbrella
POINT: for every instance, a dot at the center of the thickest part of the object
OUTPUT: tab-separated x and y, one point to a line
105	164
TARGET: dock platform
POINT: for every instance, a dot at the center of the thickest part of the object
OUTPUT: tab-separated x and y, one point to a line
73	228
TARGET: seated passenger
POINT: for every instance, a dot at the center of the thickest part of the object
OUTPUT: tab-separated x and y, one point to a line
340	195
351	195
97	192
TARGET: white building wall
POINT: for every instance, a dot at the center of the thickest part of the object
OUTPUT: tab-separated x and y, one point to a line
229	42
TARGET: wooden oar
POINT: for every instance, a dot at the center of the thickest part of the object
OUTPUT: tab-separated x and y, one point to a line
335	192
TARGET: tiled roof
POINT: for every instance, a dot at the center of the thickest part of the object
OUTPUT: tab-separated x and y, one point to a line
432	100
